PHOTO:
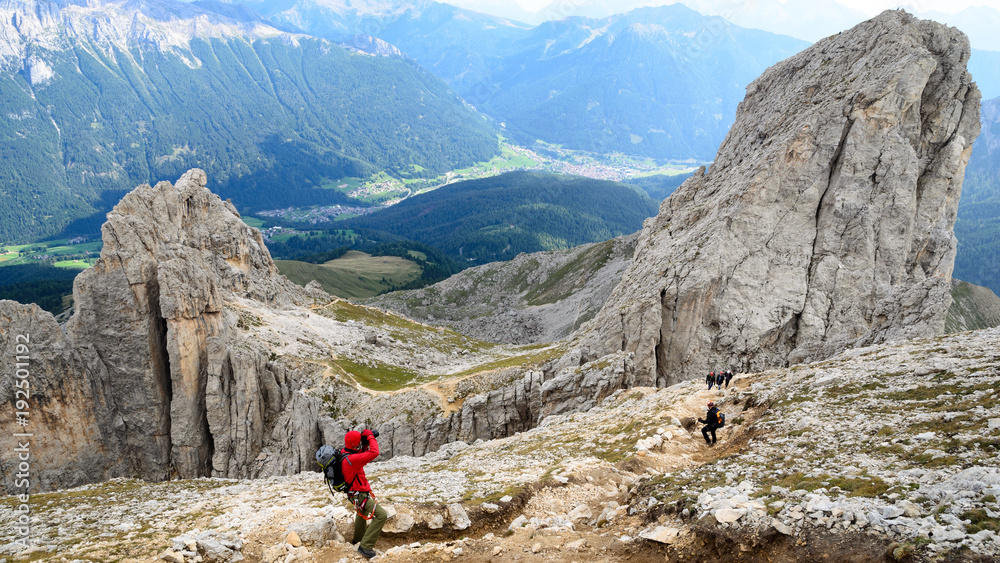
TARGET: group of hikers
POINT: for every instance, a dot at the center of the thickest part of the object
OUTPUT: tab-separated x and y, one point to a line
718	379
344	470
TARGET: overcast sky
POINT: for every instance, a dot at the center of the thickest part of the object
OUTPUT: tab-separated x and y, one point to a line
870	7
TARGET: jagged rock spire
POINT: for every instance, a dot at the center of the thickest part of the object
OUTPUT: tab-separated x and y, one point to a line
825	221
142	382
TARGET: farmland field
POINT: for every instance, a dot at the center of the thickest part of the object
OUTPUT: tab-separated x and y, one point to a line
353	275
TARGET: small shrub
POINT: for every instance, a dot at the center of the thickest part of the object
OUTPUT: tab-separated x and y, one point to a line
980	521
900	552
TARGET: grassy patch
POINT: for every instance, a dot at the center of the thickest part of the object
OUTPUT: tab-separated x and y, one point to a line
956	424
74	264
927	393
794	400
402	329
353	275
561	283
892	449
927	460
531	359
980	521
377	377
860	486
854	389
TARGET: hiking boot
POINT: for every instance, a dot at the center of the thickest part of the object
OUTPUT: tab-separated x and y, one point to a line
368	553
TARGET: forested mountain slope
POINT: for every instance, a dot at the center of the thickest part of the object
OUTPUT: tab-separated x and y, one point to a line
978	225
497	218
102	97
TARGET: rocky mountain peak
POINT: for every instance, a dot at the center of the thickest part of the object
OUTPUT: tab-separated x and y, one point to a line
186	228
35	26
373	45
143	379
825	221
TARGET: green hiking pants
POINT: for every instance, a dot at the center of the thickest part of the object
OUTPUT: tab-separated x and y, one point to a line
364	532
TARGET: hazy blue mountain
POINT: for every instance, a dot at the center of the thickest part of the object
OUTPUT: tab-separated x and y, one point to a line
811	20
985	69
660	82
978	225
980	23
99	98
462	47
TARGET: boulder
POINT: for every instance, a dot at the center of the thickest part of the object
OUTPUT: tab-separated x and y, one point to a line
576	544
660	534
399	522
729	515
459	518
581	512
317	532
782	527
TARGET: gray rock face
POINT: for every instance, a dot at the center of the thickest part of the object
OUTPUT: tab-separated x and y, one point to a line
495	414
152	308
151	377
825	221
69	407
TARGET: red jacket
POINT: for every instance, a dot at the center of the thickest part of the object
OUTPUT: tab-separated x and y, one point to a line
354	467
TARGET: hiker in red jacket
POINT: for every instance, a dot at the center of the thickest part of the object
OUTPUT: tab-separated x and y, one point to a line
360	492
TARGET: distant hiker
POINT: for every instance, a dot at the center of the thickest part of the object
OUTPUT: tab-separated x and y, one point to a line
710	379
729	377
711	422
719	378
360	492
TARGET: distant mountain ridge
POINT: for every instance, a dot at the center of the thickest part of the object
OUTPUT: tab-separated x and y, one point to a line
105	96
55	25
661	82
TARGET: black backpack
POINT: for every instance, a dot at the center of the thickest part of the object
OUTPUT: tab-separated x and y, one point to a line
722	418
331	462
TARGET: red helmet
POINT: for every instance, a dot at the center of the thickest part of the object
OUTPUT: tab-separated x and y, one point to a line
352	440
711	404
